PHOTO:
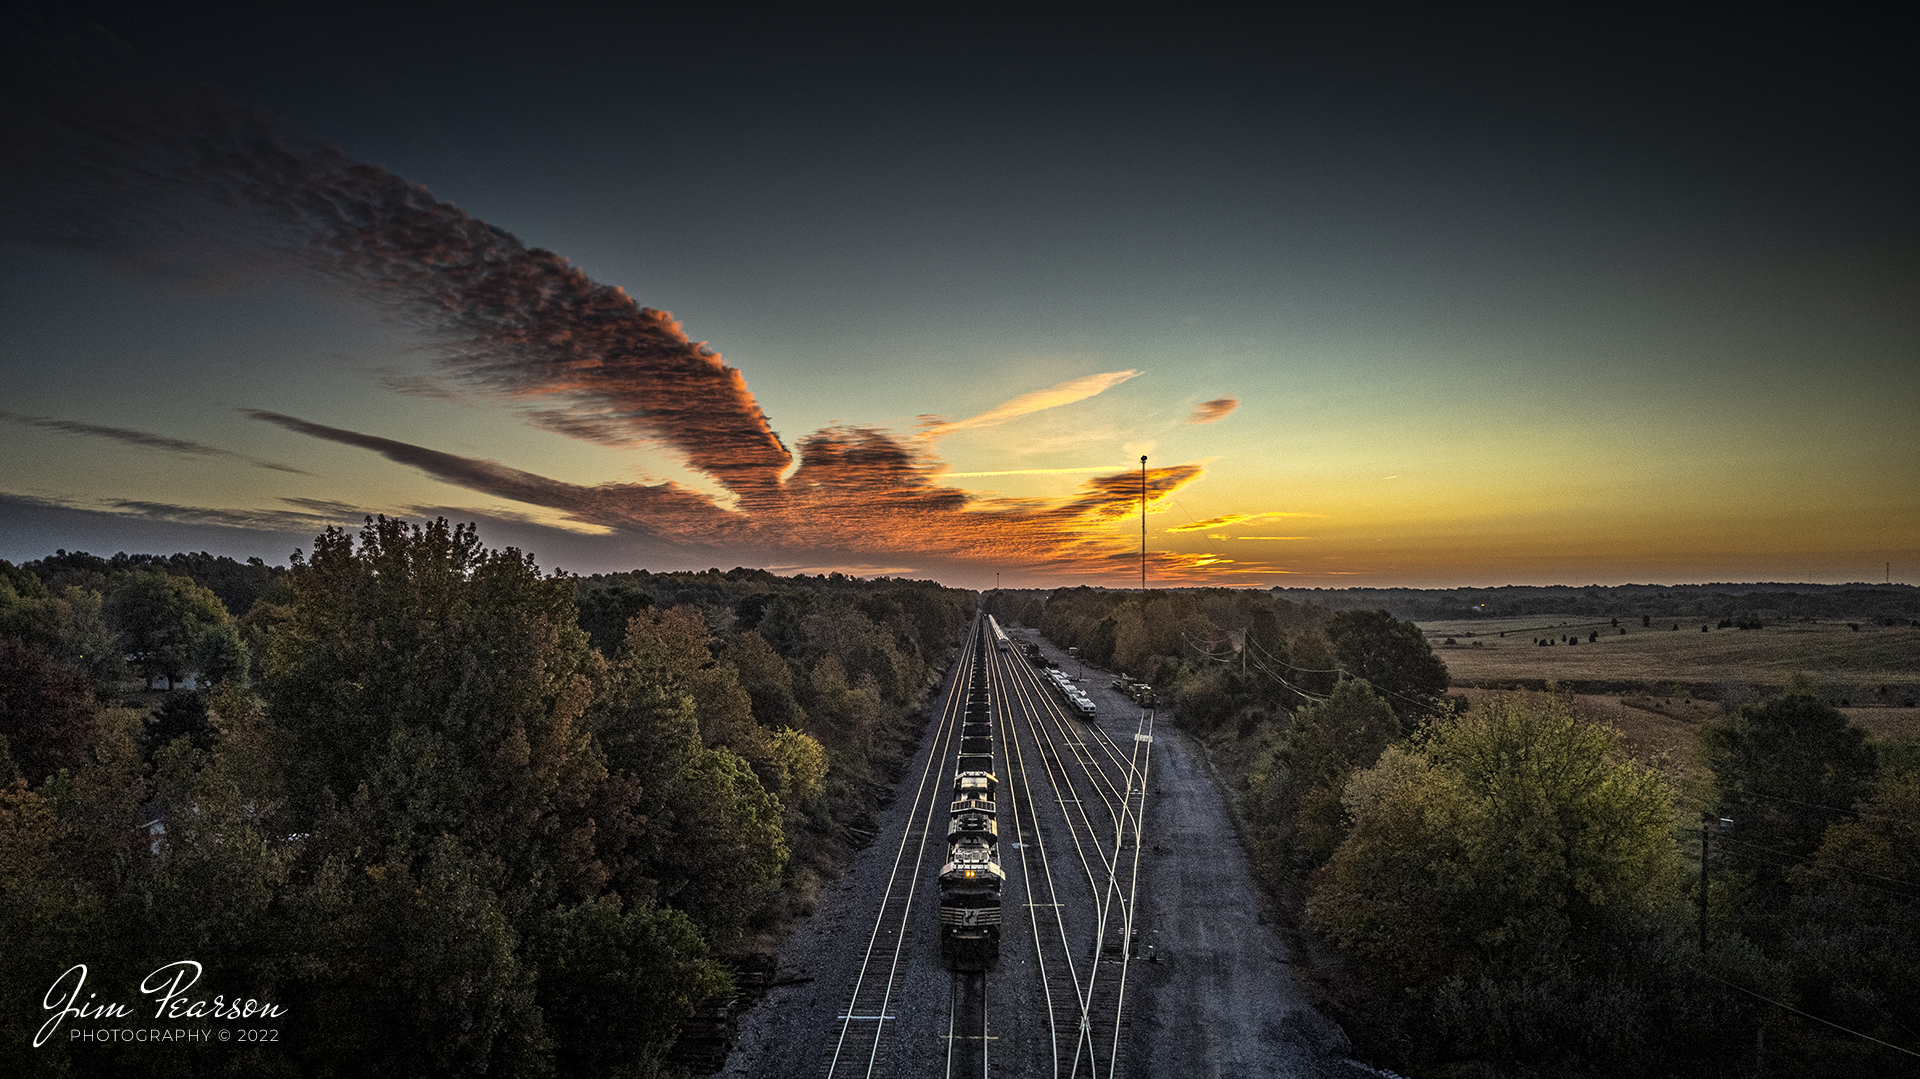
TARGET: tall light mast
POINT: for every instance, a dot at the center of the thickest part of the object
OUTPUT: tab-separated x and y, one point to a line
1143	524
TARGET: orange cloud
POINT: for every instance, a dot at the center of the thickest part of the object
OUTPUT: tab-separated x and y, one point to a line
1213	411
1065	393
1231	519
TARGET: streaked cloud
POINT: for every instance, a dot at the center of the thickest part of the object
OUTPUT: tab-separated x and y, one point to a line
250	519
1213	411
145	440
1030	471
523	326
505	319
1064	393
1231	519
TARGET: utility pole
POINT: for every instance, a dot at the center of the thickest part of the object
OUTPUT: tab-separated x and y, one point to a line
1703	884
1143	524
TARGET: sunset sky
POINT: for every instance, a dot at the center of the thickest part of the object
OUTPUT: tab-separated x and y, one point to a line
1386	300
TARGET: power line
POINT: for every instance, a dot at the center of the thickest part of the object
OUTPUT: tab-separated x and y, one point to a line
1809	1015
1834	809
1842	868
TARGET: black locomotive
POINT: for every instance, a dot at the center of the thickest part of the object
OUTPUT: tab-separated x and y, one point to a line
971	877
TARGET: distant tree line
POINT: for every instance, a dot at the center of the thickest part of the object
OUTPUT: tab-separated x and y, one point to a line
1894	604
453	815
1502	890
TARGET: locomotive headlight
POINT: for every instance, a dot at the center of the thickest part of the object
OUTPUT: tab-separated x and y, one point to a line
969	874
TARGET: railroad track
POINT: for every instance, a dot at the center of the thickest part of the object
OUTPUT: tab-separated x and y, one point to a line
1071	811
968	1040
872	1002
1081	812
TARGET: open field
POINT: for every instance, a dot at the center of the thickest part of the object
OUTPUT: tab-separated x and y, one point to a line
1658	686
1848	665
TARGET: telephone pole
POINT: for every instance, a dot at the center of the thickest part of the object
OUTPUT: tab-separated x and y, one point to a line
1703	884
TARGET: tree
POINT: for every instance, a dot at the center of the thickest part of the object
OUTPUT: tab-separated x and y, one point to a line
605	612
614	985
1505	826
1313	669
435	695
1785	771
159	617
1392	655
1854	945
768	680
1327	744
670	717
47	714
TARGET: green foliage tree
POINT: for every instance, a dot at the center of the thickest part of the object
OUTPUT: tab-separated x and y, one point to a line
68	624
435	694
159	617
613	985
1392	655
1327	744
604	613
723	845
715	838
1314	667
220	654
1506	825
768	679
1785	771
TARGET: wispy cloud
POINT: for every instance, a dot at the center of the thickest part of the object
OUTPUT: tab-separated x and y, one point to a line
1064	393
1030	471
145	440
250	519
1231	519
1213	411
506	319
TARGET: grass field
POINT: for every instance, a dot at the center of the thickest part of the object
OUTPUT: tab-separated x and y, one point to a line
1663	685
1846	664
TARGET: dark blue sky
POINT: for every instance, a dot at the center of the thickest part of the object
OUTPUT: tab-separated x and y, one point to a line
1558	297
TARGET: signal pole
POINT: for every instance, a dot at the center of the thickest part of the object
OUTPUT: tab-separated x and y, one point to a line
1143	524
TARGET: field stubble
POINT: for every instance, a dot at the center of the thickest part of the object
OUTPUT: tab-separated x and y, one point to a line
1658	685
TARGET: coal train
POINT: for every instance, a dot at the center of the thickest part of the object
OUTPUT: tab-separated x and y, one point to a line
971	877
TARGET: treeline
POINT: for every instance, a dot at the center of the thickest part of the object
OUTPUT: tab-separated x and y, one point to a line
1501	891
1233	658
451	815
1892	604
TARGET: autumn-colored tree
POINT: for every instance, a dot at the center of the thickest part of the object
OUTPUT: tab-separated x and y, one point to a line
1853	943
47	713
